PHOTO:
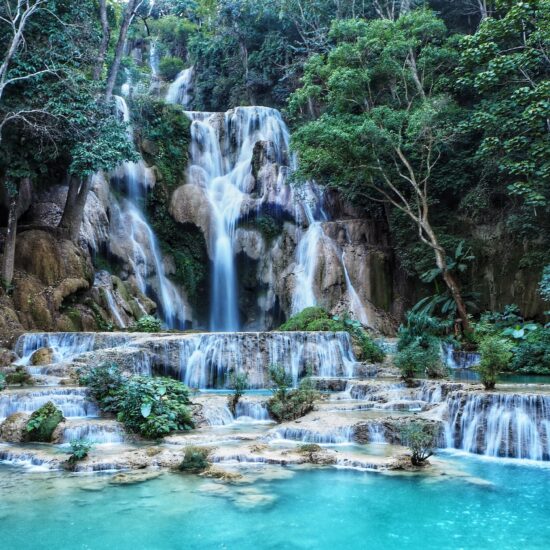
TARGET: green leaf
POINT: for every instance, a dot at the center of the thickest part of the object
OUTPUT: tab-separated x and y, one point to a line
146	409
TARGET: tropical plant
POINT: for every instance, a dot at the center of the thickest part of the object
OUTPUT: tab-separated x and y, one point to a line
43	422
80	449
105	386
154	407
495	358
147	323
170	67
195	460
421	438
238	381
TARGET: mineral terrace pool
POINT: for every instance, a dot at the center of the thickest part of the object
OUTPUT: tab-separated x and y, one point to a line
499	504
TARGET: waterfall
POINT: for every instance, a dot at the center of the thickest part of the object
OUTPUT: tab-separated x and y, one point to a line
220	157
94	432
154	60
179	92
457	359
254	411
65	345
357	307
143	243
71	401
206	360
499	425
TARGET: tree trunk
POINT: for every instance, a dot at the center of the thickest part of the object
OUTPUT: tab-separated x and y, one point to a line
453	286
71	220
126	20
106	36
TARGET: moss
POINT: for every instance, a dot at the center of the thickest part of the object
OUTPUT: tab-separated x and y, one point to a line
195	460
267	225
43	422
302	320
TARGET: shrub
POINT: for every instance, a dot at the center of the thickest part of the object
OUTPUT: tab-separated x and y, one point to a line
317	319
420	326
422	356
495	357
79	451
2	382
43	422
195	460
105	384
532	356
239	383
147	323
288	405
170	67
420	437
154	407
21	377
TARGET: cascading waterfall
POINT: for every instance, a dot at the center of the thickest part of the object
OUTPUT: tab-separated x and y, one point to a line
499	424
65	345
179	92
220	158
94	432
129	217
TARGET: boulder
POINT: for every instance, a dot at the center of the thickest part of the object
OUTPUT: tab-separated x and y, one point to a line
7	357
42	356
14	428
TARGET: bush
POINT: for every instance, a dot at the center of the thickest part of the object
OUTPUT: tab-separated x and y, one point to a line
43	422
154	407
420	326
147	323
239	383
317	319
423	356
495	357
170	67
20	377
532	356
288	405
421	438
2	382
105	384
195	460
79	451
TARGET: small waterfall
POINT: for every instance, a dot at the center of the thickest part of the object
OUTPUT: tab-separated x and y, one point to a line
254	411
205	360
499	425
217	415
332	436
72	402
377	433
154	60
357	307
457	359
65	345
113	308
129	219
97	433
179	91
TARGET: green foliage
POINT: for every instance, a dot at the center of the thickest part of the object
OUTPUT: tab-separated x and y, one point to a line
147	323
317	319
170	67
79	451
421	438
495	358
544	285
154	407
2	382
195	460
288	404
238	381
43	422
19	377
268	226
419	327
105	386
532	355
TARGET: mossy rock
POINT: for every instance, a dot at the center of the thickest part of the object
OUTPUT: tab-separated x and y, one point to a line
43	423
42	356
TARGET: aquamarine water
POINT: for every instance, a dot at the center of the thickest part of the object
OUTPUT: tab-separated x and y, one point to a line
295	509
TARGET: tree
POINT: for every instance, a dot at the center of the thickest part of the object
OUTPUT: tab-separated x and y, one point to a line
495	357
105	37
129	13
385	120
420	437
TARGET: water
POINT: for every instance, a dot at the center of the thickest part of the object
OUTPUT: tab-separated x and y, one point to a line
65	345
321	509
499	424
179	92
146	260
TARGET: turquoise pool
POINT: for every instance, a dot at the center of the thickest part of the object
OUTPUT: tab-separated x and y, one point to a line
295	509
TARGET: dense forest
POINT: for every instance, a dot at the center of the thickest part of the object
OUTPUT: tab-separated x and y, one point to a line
428	118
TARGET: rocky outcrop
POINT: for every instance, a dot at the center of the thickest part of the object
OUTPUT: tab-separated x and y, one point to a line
14	428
